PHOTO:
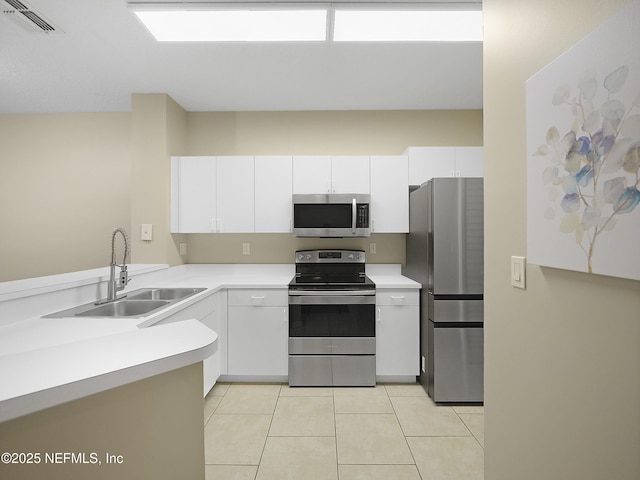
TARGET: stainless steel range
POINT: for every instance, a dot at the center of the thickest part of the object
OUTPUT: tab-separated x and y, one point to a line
332	337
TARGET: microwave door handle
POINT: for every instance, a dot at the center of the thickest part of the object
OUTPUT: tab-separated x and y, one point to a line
353	216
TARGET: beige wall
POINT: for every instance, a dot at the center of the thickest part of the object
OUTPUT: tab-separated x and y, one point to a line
159	130
65	184
562	358
67	180
155	424
327	133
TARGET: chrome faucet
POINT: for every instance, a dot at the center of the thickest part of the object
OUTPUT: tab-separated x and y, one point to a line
117	284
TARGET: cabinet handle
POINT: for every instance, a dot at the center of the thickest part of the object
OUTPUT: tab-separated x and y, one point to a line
255	297
397	297
379	314
354	212
285	316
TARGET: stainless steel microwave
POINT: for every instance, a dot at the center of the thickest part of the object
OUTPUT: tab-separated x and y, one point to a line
331	215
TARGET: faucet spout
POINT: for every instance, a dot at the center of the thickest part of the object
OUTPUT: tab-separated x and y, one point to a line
117	284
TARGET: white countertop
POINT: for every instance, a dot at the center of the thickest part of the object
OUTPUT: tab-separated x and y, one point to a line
37	379
389	276
48	361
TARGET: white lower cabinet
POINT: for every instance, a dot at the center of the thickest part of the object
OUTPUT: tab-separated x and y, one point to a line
211	312
258	322
397	332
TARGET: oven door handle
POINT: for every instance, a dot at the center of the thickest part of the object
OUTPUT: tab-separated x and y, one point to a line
332	293
318	298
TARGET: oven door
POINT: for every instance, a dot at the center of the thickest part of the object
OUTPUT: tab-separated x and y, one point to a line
332	338
322	314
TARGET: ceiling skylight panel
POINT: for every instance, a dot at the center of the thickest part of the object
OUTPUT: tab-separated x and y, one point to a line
235	25
407	26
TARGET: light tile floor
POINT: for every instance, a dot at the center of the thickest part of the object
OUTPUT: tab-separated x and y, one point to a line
390	432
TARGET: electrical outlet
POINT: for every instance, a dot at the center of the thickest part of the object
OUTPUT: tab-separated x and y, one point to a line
183	248
373	248
246	249
146	232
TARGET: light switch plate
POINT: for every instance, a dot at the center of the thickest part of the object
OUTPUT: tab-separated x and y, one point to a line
183	248
146	232
246	249
518	272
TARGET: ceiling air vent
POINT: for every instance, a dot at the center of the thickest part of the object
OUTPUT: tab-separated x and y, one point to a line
24	16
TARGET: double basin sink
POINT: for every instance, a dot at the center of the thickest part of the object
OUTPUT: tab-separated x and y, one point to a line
138	303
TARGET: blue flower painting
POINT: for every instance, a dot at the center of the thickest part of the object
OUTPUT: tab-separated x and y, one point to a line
583	170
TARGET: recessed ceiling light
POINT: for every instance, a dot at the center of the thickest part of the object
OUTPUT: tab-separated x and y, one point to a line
407	26
235	25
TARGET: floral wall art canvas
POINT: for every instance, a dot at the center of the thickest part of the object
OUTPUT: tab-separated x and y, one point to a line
583	153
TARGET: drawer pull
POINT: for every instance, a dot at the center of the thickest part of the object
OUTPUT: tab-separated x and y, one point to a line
397	297
256	297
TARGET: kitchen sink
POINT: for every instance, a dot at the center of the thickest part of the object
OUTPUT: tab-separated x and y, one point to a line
138	303
165	293
124	308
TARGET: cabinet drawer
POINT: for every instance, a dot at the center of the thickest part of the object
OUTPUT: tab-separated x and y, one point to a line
397	297
258	297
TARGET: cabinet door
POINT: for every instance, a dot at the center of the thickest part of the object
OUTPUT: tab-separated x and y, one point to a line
211	311
311	174
350	174
193	194
235	194
273	189
257	340
398	340
469	161
211	365
426	163
390	194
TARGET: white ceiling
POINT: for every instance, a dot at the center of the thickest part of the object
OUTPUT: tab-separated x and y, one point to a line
104	54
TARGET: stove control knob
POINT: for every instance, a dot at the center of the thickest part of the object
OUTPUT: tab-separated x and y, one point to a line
308	257
350	256
300	256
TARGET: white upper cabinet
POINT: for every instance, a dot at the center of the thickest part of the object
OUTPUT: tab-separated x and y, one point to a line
389	194
312	174
469	161
273	189
426	163
193	194
212	194
326	174
350	174
430	162
235	194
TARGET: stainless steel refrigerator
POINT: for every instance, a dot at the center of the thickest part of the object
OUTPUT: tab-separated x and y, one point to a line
445	253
